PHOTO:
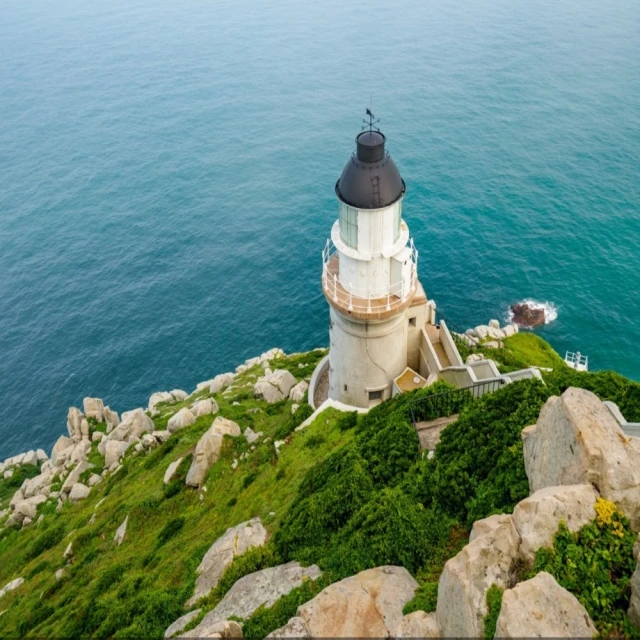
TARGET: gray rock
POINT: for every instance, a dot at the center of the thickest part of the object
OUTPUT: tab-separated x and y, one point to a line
94	408
11	586
30	458
161	436
114	450
541	608
234	542
171	470
217	629
204	407
159	397
368	604
63	444
262	588
419	625
121	532
74	420
295	628
111	418
494	324
182	419
94	479
176	627
220	382
297	392
74	476
97	436
79	492
179	395
251	435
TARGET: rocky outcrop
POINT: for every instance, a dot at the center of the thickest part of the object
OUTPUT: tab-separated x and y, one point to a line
11	586
295	628
74	423
171	470
537	518
79	492
576	440
220	382
259	589
488	559
176	627
540	607
182	419
525	315
217	629
114	450
111	418
157	398
94	408
204	407
367	605
418	625
208	449
275	386
251	435
61	450
24	508
234	542
297	391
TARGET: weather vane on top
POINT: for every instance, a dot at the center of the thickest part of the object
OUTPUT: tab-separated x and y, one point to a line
372	122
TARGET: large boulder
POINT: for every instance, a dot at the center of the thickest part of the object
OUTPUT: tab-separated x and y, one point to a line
234	542
121	531
462	589
259	589
11	586
78	492
74	421
111	418
159	397
178	625
204	407
25	509
208	449
74	476
182	419
577	441
541	608
179	395
634	604
61	451
114	450
171	470
367	605
38	485
537	518
94	408
295	628
217	629
274	386
297	392
527	315
220	382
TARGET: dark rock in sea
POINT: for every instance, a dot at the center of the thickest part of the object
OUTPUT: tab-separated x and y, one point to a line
526	316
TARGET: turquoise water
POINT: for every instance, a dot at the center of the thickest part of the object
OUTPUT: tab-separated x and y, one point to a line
168	171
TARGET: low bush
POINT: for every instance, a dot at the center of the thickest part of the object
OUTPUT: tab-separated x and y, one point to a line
494	604
45	541
170	530
425	598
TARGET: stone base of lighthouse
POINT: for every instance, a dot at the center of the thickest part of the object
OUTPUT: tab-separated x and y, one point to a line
365	356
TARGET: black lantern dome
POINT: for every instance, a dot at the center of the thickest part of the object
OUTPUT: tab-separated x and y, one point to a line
370	179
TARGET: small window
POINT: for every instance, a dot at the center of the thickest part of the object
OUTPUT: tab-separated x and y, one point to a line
375	395
412	322
345	387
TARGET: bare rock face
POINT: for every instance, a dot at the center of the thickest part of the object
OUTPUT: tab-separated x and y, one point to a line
488	525
275	386
220	382
255	590
182	419
577	441
94	408
295	628
217	629
208	449
171	470
74	420
113	451
73	477
537	518
367	605
419	625
63	444
466	578
121	532
158	397
235	541
11	586
111	418
526	316
78	492
540	607
204	407
297	392
176	627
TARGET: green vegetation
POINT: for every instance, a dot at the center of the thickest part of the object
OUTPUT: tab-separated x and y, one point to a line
524	350
595	565
494	603
348	493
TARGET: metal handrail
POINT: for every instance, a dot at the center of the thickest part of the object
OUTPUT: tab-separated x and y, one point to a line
446	403
457	331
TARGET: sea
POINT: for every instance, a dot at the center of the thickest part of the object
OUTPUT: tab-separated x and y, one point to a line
167	174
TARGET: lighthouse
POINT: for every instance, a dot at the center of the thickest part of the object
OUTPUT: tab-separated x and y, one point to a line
370	279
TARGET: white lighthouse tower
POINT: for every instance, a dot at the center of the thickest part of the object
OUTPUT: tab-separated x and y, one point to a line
377	305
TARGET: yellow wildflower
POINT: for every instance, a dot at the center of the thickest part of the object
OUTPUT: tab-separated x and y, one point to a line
604	511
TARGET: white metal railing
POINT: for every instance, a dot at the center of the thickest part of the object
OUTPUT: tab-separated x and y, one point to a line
577	361
367	299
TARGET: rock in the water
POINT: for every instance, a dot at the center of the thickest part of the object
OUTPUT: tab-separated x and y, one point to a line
114	450
208	449
74	420
11	586
94	408
220	382
297	392
577	441
367	605
466	578
541	608
295	628
525	315
121	532
537	518
171	470
78	492
177	626
235	541
204	407
419	625
255	590
182	419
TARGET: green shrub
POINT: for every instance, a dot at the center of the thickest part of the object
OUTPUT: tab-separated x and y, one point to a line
249	479
348	421
37	615
43	565
280	473
170	530
596	564
45	541
424	599
232	502
314	441
287	427
494	604
276	407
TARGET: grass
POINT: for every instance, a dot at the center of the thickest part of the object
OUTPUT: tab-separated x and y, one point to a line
524	350
139	588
